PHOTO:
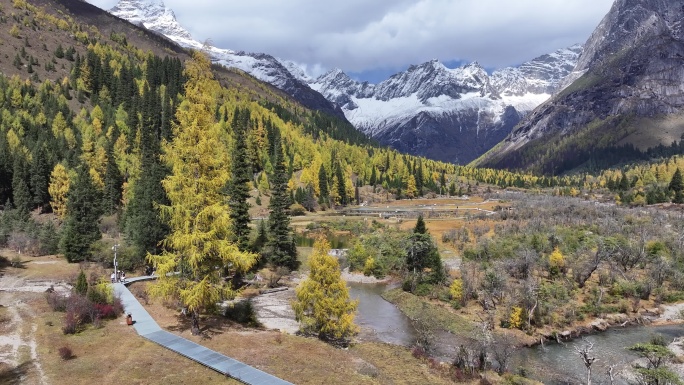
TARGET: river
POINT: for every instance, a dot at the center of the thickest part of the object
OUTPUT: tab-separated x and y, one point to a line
379	318
552	363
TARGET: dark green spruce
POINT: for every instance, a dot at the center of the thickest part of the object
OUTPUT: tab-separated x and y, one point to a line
677	186
280	247
83	212
238	187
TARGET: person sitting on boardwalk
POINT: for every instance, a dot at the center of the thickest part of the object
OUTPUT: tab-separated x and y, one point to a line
123	277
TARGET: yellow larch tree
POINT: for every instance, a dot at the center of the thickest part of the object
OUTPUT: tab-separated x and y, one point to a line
198	250
58	189
323	306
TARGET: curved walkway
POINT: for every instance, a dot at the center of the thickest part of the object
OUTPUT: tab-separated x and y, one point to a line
146	327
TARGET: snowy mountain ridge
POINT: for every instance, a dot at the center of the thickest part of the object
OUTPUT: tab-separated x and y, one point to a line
448	114
155	16
434	89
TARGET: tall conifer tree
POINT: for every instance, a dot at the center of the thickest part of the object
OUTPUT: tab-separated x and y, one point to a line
144	228
82	217
21	195
40	176
198	245
112	183
323	184
238	187
677	185
281	251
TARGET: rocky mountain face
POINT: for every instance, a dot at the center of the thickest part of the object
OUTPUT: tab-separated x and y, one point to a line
447	114
627	89
155	16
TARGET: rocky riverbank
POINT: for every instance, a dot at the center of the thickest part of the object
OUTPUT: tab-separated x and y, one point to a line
663	315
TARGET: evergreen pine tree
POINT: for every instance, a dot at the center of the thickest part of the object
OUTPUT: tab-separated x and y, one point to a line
323	184
442	182
144	228
40	176
341	190
49	239
423	262
238	186
419	178
624	183
113	182
6	167
420	226
261	237
677	185
81	286
280	251
83	212
21	196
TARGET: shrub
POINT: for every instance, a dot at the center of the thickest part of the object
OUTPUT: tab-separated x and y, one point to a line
71	324
423	289
117	305
24	242
515	321
79	311
419	352
242	312
96	296
17	262
56	301
81	286
101	292
456	290
105	311
65	353
297	210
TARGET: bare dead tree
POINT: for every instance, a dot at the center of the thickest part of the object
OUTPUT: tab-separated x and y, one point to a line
585	353
530	298
587	263
612	374
502	350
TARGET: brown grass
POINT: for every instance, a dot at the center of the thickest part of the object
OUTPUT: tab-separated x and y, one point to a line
115	354
301	360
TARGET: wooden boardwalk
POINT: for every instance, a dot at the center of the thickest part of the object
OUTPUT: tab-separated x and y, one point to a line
146	327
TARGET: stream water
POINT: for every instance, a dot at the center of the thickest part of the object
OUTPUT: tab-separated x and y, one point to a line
560	363
552	363
384	321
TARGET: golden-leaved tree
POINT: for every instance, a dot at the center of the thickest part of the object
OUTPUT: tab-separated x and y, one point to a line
58	189
323	306
198	248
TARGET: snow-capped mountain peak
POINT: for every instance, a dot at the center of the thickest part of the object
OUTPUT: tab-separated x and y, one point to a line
153	15
430	109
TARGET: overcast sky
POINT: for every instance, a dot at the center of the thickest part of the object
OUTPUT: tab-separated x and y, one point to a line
375	38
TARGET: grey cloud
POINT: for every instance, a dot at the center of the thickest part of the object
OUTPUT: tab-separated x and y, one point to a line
360	35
